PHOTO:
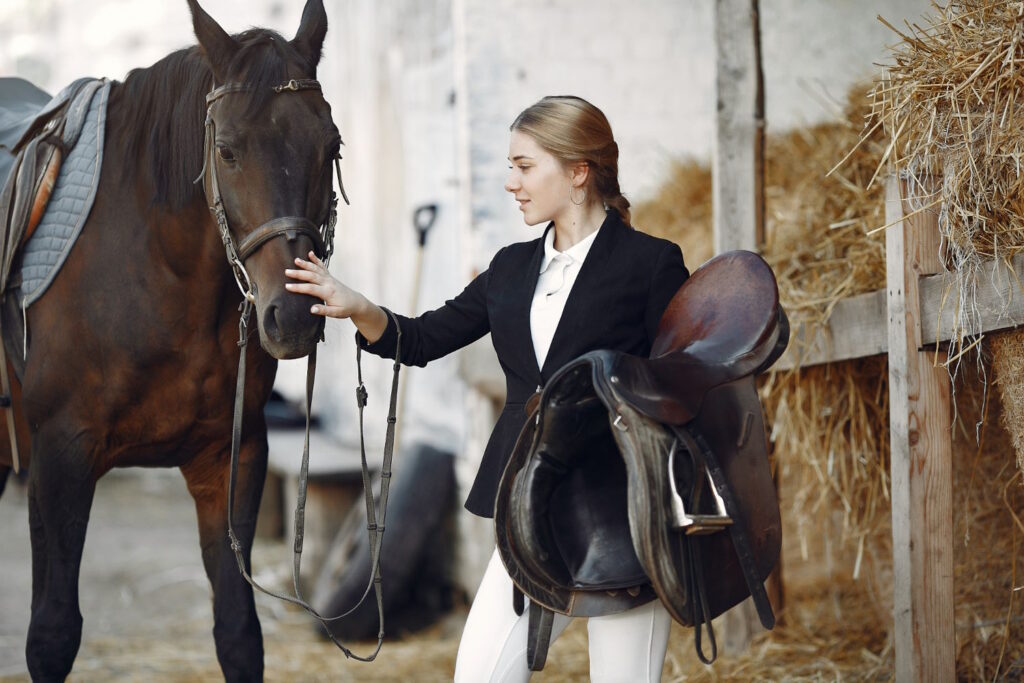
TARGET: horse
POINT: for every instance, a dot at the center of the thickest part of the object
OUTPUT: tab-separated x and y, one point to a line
130	357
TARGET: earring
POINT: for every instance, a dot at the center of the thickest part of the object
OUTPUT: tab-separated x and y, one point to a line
580	202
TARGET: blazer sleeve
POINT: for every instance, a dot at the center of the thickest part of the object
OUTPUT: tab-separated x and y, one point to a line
459	322
669	274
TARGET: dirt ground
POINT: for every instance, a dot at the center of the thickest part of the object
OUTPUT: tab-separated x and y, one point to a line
146	603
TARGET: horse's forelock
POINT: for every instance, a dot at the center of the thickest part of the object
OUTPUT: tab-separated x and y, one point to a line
265	59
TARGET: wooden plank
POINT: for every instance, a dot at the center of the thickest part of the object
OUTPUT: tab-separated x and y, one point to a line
921	459
738	155
997	300
738	185
857	327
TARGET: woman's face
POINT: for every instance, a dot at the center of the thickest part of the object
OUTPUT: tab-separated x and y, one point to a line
537	180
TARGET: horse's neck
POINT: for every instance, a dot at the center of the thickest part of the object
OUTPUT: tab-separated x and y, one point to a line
184	238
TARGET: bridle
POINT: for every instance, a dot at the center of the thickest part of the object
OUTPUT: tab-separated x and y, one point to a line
291	227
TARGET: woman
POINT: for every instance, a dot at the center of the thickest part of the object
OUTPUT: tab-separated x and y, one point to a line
590	282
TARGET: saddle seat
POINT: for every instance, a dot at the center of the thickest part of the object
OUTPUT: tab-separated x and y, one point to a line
719	332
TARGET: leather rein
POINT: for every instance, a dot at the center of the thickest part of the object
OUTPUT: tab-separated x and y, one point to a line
291	227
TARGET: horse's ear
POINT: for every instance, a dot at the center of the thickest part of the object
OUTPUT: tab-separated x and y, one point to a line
309	39
216	43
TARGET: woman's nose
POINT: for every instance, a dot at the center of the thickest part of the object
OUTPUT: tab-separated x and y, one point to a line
511	183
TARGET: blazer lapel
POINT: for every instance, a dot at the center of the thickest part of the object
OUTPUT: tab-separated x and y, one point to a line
524	298
579	305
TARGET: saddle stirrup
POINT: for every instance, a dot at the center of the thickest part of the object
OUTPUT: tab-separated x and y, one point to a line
694	523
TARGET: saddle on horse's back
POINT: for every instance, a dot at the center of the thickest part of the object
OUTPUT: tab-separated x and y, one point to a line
36	133
638	478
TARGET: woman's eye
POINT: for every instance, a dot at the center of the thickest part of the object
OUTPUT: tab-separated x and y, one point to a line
225	153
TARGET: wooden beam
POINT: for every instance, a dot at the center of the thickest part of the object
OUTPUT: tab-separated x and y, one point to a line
921	458
857	326
738	154
855	329
738	185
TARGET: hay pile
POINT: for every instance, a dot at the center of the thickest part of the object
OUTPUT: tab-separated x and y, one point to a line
951	111
949	108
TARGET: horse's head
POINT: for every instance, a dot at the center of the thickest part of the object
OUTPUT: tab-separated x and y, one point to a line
271	146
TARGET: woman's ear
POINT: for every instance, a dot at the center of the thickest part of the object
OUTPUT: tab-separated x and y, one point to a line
579	173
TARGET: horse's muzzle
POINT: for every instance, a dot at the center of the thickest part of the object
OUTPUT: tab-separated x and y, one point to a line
287	328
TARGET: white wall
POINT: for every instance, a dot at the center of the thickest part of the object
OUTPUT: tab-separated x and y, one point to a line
649	65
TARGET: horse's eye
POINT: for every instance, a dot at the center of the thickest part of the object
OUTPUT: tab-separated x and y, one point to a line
225	153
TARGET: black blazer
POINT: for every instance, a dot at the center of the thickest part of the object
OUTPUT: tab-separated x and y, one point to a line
622	289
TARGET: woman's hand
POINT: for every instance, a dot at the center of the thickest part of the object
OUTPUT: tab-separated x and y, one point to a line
339	301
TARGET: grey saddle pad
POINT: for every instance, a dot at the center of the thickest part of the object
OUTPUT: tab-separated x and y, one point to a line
70	203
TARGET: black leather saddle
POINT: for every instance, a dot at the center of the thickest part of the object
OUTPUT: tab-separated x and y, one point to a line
642	478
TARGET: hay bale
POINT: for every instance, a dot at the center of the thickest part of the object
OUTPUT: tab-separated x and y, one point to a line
681	211
1008	367
954	123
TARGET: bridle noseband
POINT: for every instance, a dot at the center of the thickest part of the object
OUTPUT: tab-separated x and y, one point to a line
289	227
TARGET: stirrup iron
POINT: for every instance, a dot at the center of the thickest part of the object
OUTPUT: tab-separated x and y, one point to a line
695	524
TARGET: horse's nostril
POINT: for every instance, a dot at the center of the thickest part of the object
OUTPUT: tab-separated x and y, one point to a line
271	325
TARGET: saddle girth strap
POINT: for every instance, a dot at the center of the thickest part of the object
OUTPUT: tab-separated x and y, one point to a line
538	639
740	541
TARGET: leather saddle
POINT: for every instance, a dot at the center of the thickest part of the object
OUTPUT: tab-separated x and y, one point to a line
36	133
642	478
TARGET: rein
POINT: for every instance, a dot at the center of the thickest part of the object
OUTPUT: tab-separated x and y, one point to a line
291	227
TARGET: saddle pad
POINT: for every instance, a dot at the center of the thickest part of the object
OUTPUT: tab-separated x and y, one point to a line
70	203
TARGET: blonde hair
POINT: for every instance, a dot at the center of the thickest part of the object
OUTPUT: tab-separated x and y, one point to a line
574	131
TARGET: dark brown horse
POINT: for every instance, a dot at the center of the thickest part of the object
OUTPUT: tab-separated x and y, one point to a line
132	351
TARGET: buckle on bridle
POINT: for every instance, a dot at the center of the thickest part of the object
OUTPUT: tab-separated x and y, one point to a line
292	85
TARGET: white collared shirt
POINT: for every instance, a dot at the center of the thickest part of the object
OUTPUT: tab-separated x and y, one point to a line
558	272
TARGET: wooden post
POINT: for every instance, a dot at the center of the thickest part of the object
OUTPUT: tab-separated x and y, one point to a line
738	157
921	457
738	193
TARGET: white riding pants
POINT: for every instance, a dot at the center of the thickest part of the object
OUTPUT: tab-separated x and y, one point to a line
628	647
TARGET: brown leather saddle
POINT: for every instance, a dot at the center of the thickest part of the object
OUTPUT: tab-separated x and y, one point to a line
642	478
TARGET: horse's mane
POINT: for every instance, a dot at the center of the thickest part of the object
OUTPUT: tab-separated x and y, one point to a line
165	104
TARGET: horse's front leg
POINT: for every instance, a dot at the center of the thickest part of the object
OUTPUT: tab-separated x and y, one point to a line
60	492
236	628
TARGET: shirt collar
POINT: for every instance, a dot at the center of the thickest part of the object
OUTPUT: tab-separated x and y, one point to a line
575	253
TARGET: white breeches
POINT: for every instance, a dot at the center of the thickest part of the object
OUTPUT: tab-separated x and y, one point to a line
628	647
